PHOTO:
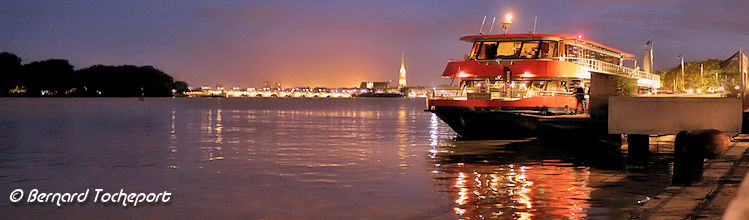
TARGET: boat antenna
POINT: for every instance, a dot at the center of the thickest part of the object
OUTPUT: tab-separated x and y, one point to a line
534	24
492	27
481	30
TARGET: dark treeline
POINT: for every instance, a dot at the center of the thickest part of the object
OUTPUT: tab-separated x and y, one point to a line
56	77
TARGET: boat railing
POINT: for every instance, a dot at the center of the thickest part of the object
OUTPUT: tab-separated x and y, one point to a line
454	93
500	61
643	78
445	93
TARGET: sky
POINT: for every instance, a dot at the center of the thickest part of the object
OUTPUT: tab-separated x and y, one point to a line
342	43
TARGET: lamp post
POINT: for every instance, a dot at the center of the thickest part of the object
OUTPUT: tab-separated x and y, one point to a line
506	23
701	81
683	80
652	53
717	81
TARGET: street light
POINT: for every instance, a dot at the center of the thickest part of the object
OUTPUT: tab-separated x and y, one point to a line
652	54
506	23
683	80
701	80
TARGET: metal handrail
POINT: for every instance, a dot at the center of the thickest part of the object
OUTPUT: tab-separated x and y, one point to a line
613	68
650	78
453	92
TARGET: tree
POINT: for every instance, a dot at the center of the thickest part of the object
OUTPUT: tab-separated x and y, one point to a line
125	81
49	77
10	64
180	87
714	75
56	77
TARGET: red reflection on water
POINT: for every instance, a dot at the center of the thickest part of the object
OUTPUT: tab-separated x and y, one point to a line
522	192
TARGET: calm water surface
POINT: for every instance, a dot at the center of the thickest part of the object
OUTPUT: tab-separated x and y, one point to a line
300	159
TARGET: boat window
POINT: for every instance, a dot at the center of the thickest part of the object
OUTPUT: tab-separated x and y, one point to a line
530	50
575	51
548	49
474	50
488	51
535	88
557	86
572	51
538	85
517	88
508	49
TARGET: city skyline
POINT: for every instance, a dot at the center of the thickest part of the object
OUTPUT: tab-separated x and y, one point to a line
341	43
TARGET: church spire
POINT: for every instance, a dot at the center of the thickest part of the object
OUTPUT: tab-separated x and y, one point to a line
402	77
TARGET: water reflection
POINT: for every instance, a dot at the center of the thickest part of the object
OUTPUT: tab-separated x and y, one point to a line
173	140
524	191
213	138
517	180
434	135
301	159
401	133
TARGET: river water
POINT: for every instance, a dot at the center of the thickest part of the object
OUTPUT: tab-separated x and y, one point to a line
276	158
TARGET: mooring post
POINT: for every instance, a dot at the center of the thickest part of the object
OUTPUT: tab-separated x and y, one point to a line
639	145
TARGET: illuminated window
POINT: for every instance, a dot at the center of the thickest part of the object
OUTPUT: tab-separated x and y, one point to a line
548	49
571	51
530	50
475	50
508	49
488	51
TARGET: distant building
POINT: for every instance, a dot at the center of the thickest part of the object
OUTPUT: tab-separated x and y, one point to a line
270	85
374	85
402	77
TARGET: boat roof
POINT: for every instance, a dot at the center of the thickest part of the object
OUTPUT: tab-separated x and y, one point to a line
474	38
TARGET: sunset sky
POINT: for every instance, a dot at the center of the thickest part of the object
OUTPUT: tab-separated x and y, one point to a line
341	43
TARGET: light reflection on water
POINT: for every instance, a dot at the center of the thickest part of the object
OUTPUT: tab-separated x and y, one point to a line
520	191
518	179
483	189
300	158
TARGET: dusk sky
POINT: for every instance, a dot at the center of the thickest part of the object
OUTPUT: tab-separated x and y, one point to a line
341	43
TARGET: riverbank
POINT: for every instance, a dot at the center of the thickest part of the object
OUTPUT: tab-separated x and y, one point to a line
708	198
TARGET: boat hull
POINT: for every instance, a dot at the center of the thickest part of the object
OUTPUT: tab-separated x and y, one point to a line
472	124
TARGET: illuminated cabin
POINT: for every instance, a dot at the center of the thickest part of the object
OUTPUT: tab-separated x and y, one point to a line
505	79
531	71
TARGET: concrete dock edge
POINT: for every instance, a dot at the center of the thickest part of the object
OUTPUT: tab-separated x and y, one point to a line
709	198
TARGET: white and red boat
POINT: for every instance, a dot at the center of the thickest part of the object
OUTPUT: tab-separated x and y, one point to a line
509	76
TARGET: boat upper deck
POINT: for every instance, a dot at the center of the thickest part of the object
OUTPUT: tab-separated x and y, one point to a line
544	56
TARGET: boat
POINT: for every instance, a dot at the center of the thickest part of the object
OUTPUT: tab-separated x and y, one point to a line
507	82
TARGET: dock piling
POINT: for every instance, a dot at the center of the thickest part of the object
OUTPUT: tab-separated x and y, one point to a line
639	146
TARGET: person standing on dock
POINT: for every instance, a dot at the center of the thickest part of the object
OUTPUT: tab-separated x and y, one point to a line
586	97
579	93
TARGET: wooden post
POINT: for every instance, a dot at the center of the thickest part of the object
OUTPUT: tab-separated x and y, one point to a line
639	146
